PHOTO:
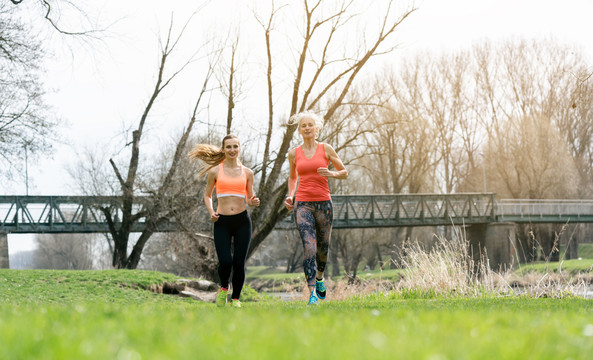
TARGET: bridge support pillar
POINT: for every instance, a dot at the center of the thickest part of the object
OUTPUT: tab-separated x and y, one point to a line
4	263
495	243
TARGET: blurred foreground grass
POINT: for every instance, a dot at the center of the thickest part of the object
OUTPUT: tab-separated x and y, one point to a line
109	315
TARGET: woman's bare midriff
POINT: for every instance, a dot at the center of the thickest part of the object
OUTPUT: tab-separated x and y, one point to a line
231	205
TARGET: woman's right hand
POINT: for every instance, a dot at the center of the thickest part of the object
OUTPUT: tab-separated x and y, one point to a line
288	203
214	217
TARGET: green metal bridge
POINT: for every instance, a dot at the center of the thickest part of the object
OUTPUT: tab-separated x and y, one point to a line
82	214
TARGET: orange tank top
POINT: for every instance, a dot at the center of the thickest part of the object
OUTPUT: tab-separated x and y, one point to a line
312	186
231	186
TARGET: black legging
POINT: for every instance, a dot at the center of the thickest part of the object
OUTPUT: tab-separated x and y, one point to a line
235	230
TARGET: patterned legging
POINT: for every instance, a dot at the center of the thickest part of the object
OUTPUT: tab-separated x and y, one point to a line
314	222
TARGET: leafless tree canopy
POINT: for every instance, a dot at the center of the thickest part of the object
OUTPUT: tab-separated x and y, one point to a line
68	251
26	124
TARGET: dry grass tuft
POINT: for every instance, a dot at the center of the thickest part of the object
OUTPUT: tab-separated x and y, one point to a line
447	269
550	284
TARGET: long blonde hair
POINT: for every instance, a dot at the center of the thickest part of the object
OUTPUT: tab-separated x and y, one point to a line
211	155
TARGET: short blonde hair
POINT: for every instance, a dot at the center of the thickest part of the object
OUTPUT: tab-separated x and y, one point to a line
296	119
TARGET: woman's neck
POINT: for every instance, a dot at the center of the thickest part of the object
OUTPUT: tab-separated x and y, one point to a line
232	163
309	143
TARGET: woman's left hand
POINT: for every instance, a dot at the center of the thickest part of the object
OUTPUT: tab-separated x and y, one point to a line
325	172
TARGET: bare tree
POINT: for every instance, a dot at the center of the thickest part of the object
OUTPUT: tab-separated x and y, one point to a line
168	199
26	123
522	78
530	160
190	251
406	140
268	27
575	121
404	161
229	79
66	251
182	254
52	12
356	245
505	102
324	86
525	89
295	254
438	88
282	248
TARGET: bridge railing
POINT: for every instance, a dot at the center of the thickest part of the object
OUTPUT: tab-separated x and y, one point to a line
354	211
551	211
39	214
412	209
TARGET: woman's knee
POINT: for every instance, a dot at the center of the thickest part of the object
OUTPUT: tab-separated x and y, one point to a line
225	263
238	263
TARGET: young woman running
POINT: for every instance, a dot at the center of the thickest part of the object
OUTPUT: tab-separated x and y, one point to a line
312	202
232	224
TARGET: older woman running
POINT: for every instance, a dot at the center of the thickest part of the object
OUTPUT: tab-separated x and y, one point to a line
312	201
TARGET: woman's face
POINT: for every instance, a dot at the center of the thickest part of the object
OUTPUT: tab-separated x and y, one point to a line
308	128
231	148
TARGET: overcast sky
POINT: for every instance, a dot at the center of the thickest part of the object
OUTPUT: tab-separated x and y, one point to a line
96	92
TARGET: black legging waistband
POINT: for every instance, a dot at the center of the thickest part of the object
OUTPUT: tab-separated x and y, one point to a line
241	214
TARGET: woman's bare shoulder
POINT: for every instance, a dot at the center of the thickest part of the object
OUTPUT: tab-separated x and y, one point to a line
213	171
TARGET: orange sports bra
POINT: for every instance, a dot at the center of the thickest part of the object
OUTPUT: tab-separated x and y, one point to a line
231	186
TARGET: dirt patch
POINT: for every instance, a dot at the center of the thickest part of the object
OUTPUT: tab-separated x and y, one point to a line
270	285
199	290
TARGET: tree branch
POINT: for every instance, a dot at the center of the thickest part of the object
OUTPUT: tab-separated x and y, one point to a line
117	173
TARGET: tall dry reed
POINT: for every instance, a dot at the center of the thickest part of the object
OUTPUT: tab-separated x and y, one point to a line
448	269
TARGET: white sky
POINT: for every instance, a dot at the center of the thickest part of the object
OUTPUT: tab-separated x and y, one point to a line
98	91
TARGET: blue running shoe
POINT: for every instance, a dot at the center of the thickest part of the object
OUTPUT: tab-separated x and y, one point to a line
313	299
320	289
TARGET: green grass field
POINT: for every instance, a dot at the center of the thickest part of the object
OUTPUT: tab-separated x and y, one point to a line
570	266
585	251
110	315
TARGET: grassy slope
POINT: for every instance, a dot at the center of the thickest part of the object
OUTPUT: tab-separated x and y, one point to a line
570	266
586	251
64	287
584	265
107	315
